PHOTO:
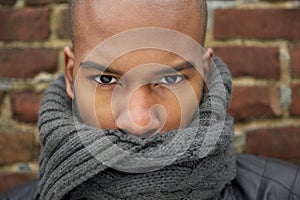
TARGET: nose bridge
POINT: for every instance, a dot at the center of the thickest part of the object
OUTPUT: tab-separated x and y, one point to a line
140	115
140	102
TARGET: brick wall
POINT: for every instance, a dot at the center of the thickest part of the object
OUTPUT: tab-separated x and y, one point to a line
32	36
259	40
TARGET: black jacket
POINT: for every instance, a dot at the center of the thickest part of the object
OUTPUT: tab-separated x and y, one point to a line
257	179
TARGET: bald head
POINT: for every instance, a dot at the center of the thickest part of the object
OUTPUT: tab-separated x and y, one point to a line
107	17
138	57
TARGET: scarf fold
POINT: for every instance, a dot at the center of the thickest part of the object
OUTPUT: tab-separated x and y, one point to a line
78	161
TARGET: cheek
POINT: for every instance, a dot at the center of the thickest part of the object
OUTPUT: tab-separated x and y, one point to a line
105	118
173	120
94	107
85	105
187	99
181	107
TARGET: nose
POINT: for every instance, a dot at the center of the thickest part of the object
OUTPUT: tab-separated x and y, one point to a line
140	114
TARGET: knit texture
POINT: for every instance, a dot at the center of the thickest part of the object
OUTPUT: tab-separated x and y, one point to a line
78	161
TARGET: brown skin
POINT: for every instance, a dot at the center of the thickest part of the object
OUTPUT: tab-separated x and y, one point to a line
137	99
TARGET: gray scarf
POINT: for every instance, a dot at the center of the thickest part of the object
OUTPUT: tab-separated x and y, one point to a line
78	161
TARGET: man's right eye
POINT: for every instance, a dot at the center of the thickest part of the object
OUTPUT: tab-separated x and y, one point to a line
105	79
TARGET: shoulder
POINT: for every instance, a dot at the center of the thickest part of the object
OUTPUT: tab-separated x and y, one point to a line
265	178
28	191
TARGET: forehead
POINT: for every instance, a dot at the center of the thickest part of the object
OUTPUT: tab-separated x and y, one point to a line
96	20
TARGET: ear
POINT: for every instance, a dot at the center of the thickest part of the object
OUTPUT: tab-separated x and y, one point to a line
69	70
207	61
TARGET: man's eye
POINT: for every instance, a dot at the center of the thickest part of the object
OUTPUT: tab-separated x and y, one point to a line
106	79
169	80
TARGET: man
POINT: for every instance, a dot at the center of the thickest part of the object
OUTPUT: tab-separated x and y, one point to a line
141	113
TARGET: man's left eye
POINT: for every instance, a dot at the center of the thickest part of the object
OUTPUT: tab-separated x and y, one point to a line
105	79
169	80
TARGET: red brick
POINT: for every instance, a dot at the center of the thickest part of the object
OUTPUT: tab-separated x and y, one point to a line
295	61
283	143
1	98
25	106
26	63
257	23
272	1
254	102
37	152
63	30
9	180
27	24
16	147
7	2
1	95
38	2
257	62
295	106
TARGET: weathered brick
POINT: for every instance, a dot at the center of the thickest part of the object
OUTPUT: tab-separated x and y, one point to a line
1	98
37	152
257	23
7	2
9	180
257	62
254	102
26	63
272	1
283	142
63	29
25	106
16	147
1	95
38	2
295	106
27	24
61	1
295	61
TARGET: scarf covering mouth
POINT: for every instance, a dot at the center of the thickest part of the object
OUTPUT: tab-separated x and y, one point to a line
78	161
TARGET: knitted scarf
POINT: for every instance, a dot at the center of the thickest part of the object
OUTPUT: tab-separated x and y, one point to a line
78	161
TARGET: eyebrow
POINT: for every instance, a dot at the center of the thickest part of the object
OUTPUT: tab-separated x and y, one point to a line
99	67
179	67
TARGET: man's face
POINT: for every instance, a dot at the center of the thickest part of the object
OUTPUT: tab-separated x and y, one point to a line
141	92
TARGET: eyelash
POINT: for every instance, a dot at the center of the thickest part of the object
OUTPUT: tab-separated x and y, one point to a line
181	77
105	76
97	78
